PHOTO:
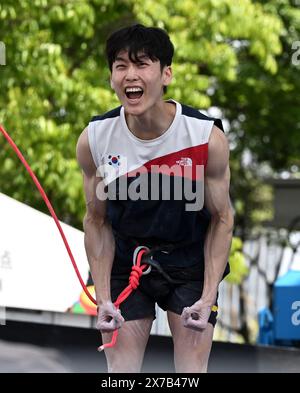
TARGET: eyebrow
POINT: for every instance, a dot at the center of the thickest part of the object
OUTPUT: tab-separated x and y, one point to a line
139	58
120	59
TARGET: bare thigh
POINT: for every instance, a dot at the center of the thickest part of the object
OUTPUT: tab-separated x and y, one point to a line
191	348
128	353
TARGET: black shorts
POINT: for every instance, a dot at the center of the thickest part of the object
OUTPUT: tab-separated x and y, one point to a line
154	288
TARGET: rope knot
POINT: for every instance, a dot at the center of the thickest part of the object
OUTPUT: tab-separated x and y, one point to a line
135	275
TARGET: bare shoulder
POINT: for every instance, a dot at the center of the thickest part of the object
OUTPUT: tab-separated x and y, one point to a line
83	153
218	152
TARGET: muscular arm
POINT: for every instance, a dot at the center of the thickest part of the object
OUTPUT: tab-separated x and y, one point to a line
219	234
217	201
98	236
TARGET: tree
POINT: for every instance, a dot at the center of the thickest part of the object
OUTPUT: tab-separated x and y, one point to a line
262	108
232	55
56	77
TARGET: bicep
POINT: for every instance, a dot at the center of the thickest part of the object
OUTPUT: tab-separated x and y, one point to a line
94	196
92	182
216	193
217	174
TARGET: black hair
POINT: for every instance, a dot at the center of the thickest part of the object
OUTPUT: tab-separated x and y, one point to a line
151	41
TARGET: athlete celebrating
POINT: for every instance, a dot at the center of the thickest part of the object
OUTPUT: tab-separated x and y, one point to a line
128	156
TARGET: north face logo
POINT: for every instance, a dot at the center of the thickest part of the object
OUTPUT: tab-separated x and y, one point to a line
184	161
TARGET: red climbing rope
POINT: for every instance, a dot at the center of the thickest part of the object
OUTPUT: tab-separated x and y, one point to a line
137	270
134	280
51	210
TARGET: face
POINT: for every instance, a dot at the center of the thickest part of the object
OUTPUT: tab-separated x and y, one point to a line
139	86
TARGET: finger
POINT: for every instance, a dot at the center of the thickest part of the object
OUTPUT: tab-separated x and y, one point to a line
104	321
186	313
115	319
192	314
118	323
109	326
195	317
196	326
105	328
199	323
117	314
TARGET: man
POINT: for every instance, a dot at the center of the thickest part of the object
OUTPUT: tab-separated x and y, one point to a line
147	133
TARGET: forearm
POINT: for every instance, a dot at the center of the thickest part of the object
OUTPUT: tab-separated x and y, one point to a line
216	253
100	249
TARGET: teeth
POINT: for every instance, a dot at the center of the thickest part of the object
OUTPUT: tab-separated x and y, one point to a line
133	89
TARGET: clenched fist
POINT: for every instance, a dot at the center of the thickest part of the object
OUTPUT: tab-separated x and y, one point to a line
196	317
109	317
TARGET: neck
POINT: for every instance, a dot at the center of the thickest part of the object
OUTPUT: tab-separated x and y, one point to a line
152	123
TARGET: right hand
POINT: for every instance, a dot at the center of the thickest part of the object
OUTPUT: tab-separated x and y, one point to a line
109	317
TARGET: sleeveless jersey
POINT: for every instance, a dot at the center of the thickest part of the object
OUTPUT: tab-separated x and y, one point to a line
152	186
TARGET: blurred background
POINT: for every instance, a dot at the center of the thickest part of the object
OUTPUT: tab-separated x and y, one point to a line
237	60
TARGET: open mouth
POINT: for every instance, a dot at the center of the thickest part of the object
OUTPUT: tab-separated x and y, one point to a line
134	93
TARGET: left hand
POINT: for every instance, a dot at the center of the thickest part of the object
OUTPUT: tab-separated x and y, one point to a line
196	317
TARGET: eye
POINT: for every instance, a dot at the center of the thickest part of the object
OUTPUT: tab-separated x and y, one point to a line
142	64
120	66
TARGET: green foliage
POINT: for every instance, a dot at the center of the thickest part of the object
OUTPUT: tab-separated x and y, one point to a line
54	81
205	40
238	266
232	54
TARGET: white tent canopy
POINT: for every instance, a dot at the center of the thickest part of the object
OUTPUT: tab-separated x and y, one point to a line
35	269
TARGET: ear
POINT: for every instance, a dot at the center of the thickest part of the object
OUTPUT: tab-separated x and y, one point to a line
167	75
111	83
